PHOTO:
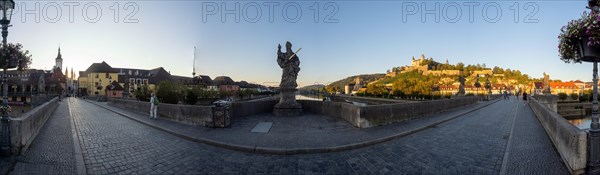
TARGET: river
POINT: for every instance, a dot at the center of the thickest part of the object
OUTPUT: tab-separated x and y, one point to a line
581	123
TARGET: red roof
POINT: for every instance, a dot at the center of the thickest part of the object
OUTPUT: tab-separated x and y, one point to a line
563	85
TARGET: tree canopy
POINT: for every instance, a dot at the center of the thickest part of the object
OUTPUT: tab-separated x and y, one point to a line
13	56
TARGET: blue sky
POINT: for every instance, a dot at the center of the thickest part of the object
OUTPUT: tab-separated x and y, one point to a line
368	36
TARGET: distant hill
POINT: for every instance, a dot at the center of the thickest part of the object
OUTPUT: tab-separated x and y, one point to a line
339	85
312	87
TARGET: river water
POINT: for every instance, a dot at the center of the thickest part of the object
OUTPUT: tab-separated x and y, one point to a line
309	97
581	123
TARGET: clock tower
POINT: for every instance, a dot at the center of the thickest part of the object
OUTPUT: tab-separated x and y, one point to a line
59	60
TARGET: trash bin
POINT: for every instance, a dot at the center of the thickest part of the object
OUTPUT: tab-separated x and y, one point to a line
221	114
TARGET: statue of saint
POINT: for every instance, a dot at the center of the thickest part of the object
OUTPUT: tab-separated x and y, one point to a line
461	88
546	84
488	84
290	63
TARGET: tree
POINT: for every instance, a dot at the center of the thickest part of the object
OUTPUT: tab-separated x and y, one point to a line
584	97
574	96
477	85
169	92
377	89
191	97
460	66
20	59
562	96
143	94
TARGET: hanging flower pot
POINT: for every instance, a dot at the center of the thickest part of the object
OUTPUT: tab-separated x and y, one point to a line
588	53
579	40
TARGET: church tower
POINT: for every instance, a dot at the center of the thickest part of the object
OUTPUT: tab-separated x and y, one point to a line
59	60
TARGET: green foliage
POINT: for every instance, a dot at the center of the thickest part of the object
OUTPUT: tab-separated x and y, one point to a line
574	96
416	85
226	94
207	93
562	96
143	94
21	57
377	90
340	84
169	92
585	97
247	93
191	97
413	84
312	87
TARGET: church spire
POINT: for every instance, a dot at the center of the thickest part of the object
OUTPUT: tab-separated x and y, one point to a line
59	56
59	61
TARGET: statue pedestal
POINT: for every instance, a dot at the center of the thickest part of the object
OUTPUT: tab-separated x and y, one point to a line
287	106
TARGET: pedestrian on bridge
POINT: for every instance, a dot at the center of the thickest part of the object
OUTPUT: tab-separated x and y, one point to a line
524	98
153	106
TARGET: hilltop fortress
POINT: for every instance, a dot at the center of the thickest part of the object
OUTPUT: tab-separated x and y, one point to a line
428	67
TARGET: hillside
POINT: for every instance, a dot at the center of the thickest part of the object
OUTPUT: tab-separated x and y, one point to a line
339	85
312	87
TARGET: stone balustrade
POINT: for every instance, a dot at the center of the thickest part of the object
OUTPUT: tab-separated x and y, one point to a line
569	141
24	128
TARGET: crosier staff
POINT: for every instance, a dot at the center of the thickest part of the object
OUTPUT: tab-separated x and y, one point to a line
295	53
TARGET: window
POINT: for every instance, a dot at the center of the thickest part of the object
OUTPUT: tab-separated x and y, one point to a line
106	75
145	81
96	75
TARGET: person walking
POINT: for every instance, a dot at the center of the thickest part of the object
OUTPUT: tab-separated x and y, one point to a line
153	106
524	98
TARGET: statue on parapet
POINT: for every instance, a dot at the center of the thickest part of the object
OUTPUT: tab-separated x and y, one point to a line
488	84
461	87
290	65
546	85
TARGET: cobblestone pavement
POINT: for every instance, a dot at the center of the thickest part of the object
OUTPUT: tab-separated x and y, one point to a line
306	131
472	144
53	146
531	151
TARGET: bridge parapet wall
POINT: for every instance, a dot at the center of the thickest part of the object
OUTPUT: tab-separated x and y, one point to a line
570	141
24	128
377	115
550	101
188	114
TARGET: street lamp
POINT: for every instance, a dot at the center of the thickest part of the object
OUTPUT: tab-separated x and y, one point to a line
6	8
594	132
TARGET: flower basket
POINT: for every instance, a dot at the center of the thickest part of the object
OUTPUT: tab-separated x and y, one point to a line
579	40
588	53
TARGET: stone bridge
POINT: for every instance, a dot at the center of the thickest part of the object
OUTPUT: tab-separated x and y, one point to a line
490	137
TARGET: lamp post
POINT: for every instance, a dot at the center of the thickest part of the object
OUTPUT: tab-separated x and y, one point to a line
6	7
594	132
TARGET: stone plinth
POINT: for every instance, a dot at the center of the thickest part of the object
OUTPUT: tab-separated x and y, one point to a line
287	106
